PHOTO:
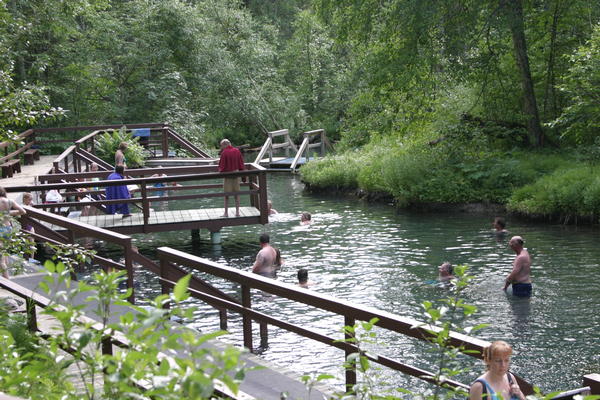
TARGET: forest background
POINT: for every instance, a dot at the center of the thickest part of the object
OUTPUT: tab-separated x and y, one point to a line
428	101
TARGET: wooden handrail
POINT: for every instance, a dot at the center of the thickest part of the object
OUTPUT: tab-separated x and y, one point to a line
100	127
299	153
263	150
186	144
406	326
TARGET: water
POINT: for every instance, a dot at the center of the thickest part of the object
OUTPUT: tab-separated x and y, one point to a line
374	255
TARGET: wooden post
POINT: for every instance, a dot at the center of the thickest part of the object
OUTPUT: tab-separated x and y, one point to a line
195	233
271	149
107	346
350	370
31	315
246	321
223	319
165	143
145	205
263	206
129	268
323	143
593	381
264	335
76	160
164	286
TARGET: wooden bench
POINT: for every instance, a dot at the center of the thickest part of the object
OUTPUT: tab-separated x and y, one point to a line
31	155
10	167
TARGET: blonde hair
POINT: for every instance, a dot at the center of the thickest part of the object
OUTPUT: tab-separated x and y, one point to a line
499	347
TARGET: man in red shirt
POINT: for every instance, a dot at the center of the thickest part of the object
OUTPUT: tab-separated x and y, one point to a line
231	161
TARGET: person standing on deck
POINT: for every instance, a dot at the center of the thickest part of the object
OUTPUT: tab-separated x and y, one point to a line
117	192
265	264
520	275
120	155
231	161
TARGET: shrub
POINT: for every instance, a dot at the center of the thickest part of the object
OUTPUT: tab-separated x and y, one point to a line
108	143
338	171
565	193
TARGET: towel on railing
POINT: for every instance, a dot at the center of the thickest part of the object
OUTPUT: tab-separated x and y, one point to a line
142	132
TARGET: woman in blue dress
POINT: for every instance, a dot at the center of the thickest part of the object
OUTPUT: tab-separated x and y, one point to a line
497	383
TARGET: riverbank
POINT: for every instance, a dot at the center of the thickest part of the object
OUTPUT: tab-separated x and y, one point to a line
536	185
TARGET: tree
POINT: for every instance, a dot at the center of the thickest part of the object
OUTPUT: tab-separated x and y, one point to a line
514	12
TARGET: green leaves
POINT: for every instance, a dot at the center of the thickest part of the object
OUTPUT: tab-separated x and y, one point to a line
180	292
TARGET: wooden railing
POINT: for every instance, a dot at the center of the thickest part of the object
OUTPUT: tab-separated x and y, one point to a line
322	143
39	219
271	144
81	154
27	138
350	312
255	188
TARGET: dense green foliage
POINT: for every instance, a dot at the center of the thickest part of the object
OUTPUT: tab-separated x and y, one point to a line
152	366
385	78
108	143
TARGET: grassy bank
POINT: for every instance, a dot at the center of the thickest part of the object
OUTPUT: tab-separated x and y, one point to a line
537	184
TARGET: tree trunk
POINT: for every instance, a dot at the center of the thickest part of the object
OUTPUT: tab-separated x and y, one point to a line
514	12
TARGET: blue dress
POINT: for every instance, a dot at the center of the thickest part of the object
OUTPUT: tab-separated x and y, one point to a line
115	193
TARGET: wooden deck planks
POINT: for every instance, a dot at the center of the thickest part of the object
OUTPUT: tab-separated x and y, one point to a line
109	221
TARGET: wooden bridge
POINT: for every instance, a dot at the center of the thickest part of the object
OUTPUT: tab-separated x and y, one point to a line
70	173
281	141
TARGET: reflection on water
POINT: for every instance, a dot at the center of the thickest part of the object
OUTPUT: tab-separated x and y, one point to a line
373	255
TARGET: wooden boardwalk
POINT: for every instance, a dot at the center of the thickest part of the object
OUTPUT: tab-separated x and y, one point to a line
28	175
263	381
160	221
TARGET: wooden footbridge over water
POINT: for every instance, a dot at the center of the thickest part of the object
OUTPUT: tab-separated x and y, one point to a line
295	156
199	184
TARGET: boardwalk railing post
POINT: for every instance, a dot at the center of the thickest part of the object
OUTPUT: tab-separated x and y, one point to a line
165	143
350	368
164	286
223	319
264	335
593	381
129	268
271	148
262	190
145	205
31	315
246	320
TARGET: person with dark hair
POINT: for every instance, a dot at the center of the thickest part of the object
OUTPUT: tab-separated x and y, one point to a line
499	226
497	383
118	192
520	275
7	208
120	154
231	161
446	272
305	218
265	263
303	281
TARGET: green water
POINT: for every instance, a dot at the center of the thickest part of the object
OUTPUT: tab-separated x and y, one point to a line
374	255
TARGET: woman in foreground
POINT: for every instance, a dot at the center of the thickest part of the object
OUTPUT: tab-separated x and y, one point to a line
497	383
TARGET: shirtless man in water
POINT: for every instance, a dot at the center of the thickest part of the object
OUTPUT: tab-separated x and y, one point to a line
519	277
265	259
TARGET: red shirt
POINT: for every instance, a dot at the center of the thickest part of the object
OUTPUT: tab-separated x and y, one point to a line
231	160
